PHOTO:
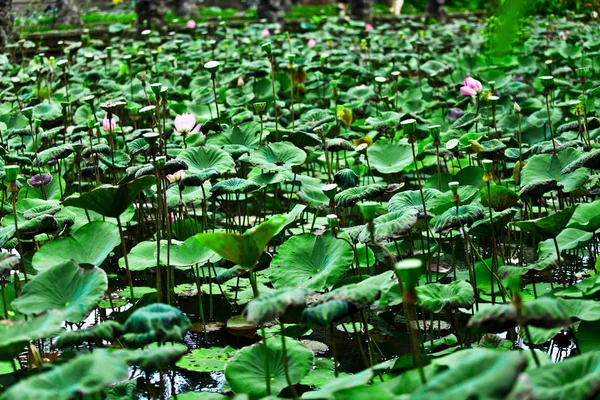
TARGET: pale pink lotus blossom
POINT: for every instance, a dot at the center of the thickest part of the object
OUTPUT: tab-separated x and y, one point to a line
109	125
467	91
177	176
473	84
594	14
312	43
240	81
368	27
191	24
265	33
185	125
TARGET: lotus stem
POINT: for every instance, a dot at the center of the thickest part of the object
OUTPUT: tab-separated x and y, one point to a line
266	350
285	362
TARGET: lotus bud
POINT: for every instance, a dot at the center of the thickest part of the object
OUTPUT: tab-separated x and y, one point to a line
517	107
240	81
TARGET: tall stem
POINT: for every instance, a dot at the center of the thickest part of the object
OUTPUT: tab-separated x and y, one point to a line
124	250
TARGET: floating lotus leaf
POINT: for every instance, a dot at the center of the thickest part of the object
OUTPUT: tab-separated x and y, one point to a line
207	359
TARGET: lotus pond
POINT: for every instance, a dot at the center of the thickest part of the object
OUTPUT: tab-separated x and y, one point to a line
405	211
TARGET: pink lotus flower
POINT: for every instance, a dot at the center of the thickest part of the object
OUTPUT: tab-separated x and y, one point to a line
312	43
594	14
368	27
471	87
265	33
177	176
109	125
185	125
191	24
240	81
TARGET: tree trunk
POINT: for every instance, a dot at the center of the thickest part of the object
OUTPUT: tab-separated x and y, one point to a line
150	14
186	9
361	9
436	9
67	13
273	10
6	22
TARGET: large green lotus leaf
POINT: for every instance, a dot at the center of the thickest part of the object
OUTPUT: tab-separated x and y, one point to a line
389	158
122	391
83	246
453	218
246	372
107	330
350	197
55	153
587	287
16	334
502	197
154	358
311	262
360	294
47	111
586	217
331	389
548	167
412	199
207	157
200	396
324	314
141	257
66	287
442	202
155	323
583	310
206	359
567	239
482	374
548	226
245	249
234	185
543	312
279	156
587	336
189	194
52	191
346	179
390	226
86	374
387	119
191	252
245	134
274	304
587	160
436	296
109	200
501	219
573	378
